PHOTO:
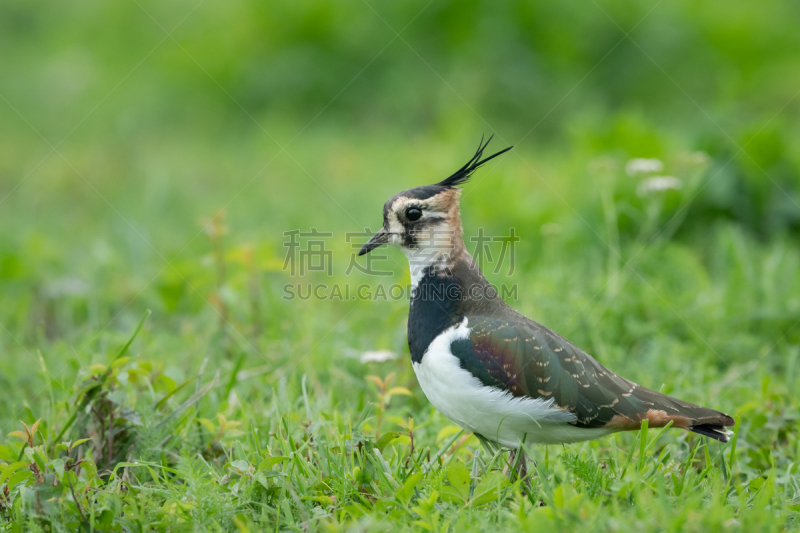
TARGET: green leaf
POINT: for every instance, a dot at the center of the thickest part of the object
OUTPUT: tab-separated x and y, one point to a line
58	466
106	519
77	443
458	476
271	461
21	434
241	465
18	478
90	468
263	476
97	369
388	438
404	493
558	496
8	470
487	489
450	494
325	500
6	455
29	454
119	362
36	455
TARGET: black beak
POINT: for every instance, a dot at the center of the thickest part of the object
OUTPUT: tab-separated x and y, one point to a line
382	237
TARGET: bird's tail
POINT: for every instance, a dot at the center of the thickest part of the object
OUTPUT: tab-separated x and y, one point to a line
715	431
660	409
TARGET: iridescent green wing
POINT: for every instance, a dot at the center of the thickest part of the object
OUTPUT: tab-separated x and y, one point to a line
529	360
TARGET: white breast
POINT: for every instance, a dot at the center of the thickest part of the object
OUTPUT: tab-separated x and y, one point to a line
494	413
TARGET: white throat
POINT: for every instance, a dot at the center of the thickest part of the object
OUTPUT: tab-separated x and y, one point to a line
435	245
420	259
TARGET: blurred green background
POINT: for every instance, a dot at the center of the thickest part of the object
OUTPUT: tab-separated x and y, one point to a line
126	126
309	114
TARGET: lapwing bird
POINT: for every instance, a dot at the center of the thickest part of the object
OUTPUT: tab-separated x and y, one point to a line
492	370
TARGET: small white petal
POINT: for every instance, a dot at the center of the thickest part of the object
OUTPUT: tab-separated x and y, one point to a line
643	166
658	184
378	356
66	287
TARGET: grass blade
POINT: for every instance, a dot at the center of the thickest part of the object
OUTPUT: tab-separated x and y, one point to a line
127	345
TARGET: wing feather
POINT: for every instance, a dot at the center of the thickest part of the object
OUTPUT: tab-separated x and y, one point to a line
529	360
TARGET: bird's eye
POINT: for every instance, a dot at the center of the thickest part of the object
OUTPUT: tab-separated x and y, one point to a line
413	214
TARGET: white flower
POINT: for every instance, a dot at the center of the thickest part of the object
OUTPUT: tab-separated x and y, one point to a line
658	184
66	287
378	356
643	166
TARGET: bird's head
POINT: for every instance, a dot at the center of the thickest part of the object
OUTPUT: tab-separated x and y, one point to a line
424	221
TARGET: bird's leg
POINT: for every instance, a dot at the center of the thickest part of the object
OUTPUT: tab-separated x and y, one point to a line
518	462
474	475
522	467
510	464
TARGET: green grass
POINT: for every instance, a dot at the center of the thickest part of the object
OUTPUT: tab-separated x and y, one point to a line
154	378
267	420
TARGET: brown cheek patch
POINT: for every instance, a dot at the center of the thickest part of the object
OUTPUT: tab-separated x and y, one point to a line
444	200
445	203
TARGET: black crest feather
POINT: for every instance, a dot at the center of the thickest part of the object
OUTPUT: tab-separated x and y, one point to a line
463	174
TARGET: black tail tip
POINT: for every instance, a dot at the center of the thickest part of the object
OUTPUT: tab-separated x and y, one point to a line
714	431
